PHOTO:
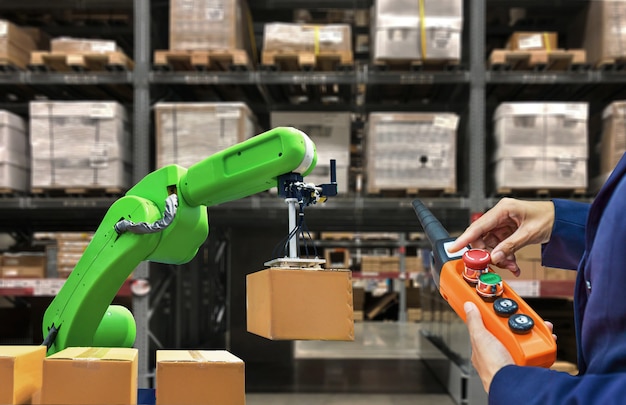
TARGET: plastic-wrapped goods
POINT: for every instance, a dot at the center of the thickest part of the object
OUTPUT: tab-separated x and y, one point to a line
331	134
603	30
203	25
187	133
411	151
79	45
14	153
541	145
287	37
80	144
613	142
15	44
413	30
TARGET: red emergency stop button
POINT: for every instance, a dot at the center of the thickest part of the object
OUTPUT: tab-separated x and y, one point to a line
476	263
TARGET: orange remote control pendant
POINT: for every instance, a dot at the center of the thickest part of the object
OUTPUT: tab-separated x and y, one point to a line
466	276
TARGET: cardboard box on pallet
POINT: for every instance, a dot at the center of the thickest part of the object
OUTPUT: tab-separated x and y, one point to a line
15	45
302	304
21	370
90	375
398	28
23	265
294	38
613	141
197	377
411	151
80	144
205	25
526	41
331	133
81	45
187	133
14	153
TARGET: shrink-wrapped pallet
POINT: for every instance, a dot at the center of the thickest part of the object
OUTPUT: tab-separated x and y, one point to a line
602	31
187	133
203	25
402	30
411	151
80	144
613	141
14	153
541	145
288	37
331	134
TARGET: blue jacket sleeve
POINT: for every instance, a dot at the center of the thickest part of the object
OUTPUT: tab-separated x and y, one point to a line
533	385
567	242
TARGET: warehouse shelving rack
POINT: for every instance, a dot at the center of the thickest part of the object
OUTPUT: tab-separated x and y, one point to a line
472	85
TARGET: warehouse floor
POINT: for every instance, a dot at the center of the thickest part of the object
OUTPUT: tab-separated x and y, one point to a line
382	366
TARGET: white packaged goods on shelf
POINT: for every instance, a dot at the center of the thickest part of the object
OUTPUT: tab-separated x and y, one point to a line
14	153
80	45
199	25
535	173
79	144
287	37
613	141
411	150
187	133
398	28
533	129
331	134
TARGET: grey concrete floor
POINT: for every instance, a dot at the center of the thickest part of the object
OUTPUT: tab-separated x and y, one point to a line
348	399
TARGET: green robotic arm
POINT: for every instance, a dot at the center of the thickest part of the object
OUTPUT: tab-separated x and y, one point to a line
76	316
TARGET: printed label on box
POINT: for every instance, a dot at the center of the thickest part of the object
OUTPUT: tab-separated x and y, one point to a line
4	28
103	47
215	11
101	111
446	121
332	36
531	41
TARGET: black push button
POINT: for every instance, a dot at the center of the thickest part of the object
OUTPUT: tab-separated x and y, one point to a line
520	323
505	307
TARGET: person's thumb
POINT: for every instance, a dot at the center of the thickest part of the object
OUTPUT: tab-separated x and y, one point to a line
472	317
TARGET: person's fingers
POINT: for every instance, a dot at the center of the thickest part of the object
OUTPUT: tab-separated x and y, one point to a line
474	232
550	326
473	320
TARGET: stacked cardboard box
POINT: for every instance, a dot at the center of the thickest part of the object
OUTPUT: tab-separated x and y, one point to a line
527	41
21	369
402	30
541	145
199	377
380	264
23	265
203	25
411	151
187	133
331	134
79	45
289	37
90	375
529	261
79	144
66	247
14	153
15	44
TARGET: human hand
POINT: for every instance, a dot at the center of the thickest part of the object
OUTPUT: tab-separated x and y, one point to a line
488	354
510	225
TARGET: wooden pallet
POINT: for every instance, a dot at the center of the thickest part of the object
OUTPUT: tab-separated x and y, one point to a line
618	63
84	191
8	66
88	61
296	61
541	192
416	64
558	59
218	60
